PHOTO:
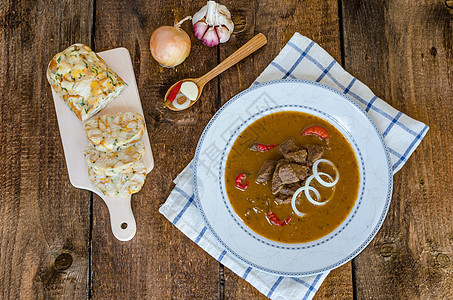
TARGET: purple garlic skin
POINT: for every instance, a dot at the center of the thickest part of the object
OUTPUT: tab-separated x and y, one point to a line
199	29
212	24
223	33
210	37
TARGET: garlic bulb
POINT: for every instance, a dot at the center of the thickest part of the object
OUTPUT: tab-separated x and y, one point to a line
212	24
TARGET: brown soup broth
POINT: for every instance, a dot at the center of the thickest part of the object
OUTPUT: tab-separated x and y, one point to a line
252	204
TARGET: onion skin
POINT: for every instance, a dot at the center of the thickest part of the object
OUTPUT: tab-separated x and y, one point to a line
169	46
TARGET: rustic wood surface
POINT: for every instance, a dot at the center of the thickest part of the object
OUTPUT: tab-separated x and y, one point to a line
55	240
403	51
45	222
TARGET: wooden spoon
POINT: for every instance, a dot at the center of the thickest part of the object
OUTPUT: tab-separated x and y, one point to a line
251	46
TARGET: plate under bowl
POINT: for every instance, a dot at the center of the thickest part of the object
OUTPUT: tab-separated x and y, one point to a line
303	259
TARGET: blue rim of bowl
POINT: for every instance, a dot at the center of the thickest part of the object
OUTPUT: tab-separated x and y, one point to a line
267	270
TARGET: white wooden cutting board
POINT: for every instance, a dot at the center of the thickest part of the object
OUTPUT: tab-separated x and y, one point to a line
74	141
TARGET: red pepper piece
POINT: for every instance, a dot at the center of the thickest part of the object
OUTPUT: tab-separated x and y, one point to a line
286	221
272	217
319	131
261	147
174	92
239	182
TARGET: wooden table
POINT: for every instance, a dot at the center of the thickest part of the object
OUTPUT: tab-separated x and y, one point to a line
55	240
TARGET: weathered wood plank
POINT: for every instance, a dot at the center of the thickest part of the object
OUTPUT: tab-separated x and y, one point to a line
334	287
160	262
45	221
278	21
403	50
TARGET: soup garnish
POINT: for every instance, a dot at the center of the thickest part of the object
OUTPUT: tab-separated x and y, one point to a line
261	147
306	188
319	131
240	183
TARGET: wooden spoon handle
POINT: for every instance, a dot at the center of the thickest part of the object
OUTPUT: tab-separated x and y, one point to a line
251	46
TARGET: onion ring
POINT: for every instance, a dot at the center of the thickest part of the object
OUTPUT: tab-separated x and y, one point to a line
298	191
307	192
181	106
317	174
307	188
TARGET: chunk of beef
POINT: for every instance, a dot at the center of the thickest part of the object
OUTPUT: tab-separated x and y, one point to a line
282	199
301	171
277	183
289	189
288	174
287	146
292	172
299	156
315	152
266	171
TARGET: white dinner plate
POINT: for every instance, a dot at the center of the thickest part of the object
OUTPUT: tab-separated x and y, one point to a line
303	259
74	140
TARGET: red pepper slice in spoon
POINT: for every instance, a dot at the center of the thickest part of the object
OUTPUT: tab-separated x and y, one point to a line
174	92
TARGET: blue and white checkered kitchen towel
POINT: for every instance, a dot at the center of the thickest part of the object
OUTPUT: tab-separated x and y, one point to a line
301	58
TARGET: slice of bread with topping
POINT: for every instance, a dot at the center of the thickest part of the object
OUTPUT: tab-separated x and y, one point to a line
111	132
114	162
83	80
120	185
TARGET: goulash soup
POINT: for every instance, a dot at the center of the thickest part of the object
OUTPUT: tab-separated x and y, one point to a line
292	177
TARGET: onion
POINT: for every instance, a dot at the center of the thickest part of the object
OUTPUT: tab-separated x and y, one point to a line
306	190
317	174
183	105
307	193
170	45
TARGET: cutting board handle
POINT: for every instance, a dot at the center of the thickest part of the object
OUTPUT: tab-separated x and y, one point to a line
122	219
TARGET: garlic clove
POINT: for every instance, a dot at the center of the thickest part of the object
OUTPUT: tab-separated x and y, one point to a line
199	15
190	90
210	38
223	10
199	29
225	21
223	33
